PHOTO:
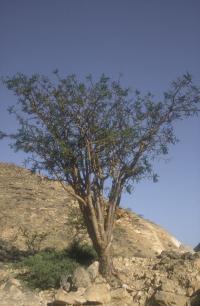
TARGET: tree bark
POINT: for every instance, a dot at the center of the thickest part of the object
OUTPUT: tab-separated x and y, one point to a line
106	262
102	241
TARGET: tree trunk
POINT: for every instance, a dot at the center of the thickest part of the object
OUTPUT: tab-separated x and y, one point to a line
106	262
101	243
104	252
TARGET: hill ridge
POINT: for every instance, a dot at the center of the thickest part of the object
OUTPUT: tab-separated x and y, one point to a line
40	204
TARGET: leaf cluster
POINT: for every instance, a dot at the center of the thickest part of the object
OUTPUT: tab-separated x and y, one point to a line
96	136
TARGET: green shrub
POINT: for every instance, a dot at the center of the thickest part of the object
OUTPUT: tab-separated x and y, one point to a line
84	254
45	269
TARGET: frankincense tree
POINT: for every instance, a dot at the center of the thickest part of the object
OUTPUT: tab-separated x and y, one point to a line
98	137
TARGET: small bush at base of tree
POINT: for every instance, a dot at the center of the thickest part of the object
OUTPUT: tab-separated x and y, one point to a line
45	269
84	254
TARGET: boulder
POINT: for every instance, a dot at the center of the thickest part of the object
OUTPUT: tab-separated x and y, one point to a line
169	285
121	295
93	270
98	294
71	298
81	278
12	294
100	280
162	298
66	283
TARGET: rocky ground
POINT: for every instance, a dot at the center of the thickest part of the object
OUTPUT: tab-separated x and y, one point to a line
170	279
153	268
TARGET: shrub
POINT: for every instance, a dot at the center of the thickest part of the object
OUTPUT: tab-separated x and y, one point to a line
33	239
84	254
45	269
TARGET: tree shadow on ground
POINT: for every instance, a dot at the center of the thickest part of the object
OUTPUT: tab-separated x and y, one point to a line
10	253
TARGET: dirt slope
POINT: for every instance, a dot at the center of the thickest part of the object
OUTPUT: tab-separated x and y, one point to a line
41	205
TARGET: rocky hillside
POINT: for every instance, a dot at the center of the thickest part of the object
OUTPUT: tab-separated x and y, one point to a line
31	204
152	267
170	279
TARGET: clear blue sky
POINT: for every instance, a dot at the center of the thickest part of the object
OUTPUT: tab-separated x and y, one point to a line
151	43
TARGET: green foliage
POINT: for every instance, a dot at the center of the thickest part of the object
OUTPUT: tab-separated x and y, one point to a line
101	130
82	253
45	269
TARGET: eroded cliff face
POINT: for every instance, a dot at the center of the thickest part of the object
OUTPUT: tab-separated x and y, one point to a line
34	203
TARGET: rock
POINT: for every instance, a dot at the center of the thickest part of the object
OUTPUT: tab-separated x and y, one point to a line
12	294
100	280
66	283
195	299
98	294
187	256
189	291
121	295
170	254
71	298
162	298
81	278
14	291
195	284
197	263
47	296
93	270
172	286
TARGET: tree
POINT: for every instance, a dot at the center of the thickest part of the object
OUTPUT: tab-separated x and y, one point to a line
98	137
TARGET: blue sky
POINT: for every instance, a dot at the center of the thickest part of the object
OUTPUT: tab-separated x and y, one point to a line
150	43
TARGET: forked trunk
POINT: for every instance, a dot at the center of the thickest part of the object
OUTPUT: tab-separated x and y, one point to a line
101	242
